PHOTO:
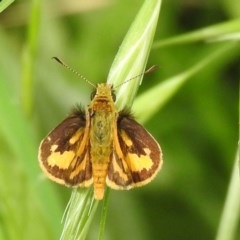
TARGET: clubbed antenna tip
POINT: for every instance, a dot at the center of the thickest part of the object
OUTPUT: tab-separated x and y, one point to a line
73	71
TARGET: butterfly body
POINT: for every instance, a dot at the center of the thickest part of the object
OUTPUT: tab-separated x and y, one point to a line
102	118
101	147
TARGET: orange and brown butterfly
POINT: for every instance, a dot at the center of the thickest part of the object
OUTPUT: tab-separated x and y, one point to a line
99	147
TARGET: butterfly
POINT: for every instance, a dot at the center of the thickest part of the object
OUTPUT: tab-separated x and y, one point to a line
100	146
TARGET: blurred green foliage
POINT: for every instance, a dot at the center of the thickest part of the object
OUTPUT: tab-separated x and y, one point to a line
197	128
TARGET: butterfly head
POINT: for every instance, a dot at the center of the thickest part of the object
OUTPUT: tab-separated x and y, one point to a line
104	89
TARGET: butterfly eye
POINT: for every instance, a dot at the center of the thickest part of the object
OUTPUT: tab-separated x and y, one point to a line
113	96
93	94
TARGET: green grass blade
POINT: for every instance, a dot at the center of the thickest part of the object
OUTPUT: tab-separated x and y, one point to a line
133	54
5	4
204	34
231	211
165	90
29	56
79	214
103	215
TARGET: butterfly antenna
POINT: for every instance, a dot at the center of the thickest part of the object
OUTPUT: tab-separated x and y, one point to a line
73	71
151	69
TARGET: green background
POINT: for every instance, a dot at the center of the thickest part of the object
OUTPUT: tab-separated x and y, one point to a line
197	128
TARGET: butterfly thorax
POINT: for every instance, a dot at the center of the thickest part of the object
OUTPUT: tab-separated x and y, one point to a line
102	115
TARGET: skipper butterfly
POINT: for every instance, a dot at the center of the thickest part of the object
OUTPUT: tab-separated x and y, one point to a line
100	146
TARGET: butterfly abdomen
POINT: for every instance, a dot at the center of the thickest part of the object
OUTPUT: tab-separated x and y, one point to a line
101	147
99	179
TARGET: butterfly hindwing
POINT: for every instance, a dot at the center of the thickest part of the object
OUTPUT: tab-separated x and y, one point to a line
136	155
64	153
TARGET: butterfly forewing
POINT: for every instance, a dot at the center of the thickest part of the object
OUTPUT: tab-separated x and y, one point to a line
136	157
64	154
